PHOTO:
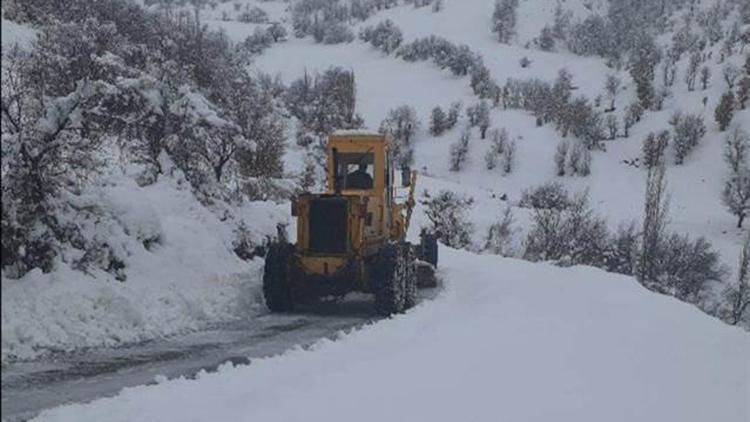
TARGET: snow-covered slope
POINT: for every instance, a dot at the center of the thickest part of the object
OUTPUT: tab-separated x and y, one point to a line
189	279
616	189
507	340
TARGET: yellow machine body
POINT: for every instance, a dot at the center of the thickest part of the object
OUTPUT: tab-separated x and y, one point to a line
366	217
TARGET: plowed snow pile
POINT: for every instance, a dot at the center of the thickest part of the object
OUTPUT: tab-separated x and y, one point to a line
507	340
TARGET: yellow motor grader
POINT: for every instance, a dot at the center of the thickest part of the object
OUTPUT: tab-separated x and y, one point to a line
353	236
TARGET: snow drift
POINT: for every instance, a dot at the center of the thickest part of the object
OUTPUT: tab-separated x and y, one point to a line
507	340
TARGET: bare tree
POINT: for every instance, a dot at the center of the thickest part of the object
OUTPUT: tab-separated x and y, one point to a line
656	209
736	193
739	295
612	85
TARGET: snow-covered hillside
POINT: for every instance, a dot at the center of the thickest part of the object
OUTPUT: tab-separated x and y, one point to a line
192	278
506	340
189	279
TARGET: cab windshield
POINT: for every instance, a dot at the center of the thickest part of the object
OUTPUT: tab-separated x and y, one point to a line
356	170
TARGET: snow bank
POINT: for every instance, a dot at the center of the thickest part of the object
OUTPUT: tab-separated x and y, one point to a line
507	340
188	276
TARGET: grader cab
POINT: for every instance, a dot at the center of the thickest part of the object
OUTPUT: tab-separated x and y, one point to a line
353	236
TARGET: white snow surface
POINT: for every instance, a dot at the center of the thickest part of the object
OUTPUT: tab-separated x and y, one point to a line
507	340
190	279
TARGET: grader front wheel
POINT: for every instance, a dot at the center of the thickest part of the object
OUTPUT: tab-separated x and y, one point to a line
277	283
394	279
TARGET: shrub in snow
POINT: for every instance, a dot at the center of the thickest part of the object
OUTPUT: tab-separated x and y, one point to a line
688	131
401	124
308	178
500	235
336	33
730	73
481	81
258	41
446	214
705	76
612	125
549	196
590	37
686	266
561	154
438	121
736	193
253	15
611	86
385	36
498	143
504	19
453	114
632	116
691	72
738	294
644	57
654	147
725	110
325	102
277	32
509	157
570	236
743	92
459	59
620	256
459	151
524	62
546	39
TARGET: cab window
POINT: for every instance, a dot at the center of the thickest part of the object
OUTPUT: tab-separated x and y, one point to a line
356	170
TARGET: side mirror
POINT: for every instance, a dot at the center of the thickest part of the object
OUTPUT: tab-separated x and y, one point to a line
405	177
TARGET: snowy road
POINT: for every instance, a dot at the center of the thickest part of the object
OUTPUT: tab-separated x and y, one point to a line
28	388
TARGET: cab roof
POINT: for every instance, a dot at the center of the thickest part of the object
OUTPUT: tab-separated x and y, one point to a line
363	133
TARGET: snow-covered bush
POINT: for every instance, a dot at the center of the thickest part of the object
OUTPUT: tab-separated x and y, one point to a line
549	196
569	236
258	41
454	112
504	19
459	59
686	266
401	124
738	294
623	247
653	148
459	151
277	32
385	36
253	15
688	131
324	103
500	236
724	112
498	143
446	214
736	193
438	121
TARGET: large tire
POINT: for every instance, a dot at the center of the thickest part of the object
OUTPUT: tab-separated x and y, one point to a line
428	247
388	281
410	275
277	283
